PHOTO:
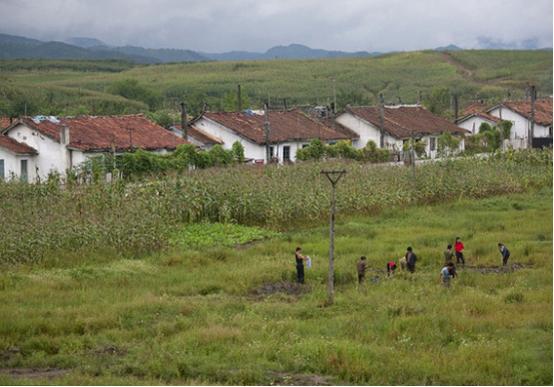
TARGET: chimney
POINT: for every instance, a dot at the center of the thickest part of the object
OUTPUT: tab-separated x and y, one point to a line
64	134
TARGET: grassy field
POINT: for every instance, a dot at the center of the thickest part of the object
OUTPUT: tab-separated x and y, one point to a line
213	308
72	87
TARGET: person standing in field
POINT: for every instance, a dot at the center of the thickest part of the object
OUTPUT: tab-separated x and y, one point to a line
459	247
446	274
505	253
300	265
361	267
411	260
448	255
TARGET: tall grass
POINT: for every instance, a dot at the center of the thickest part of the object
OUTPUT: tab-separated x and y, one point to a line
193	316
129	219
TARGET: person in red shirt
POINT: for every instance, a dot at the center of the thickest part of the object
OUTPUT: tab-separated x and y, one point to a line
391	267
459	247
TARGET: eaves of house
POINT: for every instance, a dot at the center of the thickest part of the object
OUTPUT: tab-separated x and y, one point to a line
406	121
479	114
284	126
104	133
16	147
200	135
542	114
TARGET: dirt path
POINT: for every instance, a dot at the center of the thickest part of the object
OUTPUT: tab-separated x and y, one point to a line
468	73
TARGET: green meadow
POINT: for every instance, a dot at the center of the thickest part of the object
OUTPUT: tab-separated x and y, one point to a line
126	291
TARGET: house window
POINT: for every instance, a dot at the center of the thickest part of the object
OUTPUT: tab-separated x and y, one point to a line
432	143
286	153
271	152
307	145
2	176
24	173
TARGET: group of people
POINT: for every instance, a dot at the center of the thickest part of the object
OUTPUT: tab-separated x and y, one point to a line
408	262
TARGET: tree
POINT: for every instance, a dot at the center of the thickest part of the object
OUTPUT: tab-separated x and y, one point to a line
231	101
131	89
438	101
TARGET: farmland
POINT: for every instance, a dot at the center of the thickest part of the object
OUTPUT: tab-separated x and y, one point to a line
189	279
106	87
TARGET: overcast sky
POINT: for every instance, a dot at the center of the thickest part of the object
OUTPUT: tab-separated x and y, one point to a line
216	26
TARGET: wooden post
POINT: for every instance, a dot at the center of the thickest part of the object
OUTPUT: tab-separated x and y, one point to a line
334	177
184	125
532	128
382	122
267	155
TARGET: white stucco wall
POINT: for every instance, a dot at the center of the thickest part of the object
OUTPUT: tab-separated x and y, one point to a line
12	165
363	129
521	127
51	157
251	150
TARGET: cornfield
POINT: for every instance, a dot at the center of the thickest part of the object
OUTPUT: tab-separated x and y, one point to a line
43	220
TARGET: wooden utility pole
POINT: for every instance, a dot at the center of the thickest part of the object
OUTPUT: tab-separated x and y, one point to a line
334	177
532	128
184	125
267	153
382	122
239	93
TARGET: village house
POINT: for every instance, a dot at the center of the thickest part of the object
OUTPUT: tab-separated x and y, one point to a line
33	147
522	114
526	117
287	132
399	125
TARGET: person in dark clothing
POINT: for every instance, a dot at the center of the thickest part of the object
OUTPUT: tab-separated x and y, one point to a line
505	253
300	265
361	267
411	259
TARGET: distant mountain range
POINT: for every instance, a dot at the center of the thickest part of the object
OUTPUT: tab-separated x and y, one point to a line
18	47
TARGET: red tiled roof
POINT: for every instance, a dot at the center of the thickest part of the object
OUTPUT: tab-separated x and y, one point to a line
401	121
16	147
4	123
543	110
481	114
96	133
200	136
283	126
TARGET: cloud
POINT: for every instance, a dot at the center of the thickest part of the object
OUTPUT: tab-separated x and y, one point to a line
253	25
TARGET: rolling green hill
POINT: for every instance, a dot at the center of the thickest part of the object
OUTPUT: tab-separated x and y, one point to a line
69	87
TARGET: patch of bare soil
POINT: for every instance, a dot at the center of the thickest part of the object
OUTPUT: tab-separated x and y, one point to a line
497	269
111	350
289	379
34	373
290	288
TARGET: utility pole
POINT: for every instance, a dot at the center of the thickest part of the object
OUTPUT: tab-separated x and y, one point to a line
334	177
532	128
184	125
267	155
382	121
239	93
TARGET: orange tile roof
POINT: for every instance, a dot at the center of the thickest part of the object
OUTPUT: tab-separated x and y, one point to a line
200	135
401	121
96	133
15	146
543	110
289	125
4	122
